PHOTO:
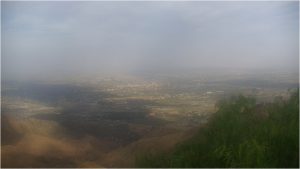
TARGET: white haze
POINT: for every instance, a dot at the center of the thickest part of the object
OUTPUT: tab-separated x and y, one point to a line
60	39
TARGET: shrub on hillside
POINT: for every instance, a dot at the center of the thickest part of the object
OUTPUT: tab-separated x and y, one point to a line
240	134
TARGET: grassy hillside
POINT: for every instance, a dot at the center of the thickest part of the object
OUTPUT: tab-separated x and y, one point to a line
241	133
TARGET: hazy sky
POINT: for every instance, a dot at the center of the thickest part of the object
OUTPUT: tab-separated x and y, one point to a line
62	38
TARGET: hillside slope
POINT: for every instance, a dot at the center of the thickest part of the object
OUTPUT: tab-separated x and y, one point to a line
241	134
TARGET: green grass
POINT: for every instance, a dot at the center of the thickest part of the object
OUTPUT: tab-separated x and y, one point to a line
240	134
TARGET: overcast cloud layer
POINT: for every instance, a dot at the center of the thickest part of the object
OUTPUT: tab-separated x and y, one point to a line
63	38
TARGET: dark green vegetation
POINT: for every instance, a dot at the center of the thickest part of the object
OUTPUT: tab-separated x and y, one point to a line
241	133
